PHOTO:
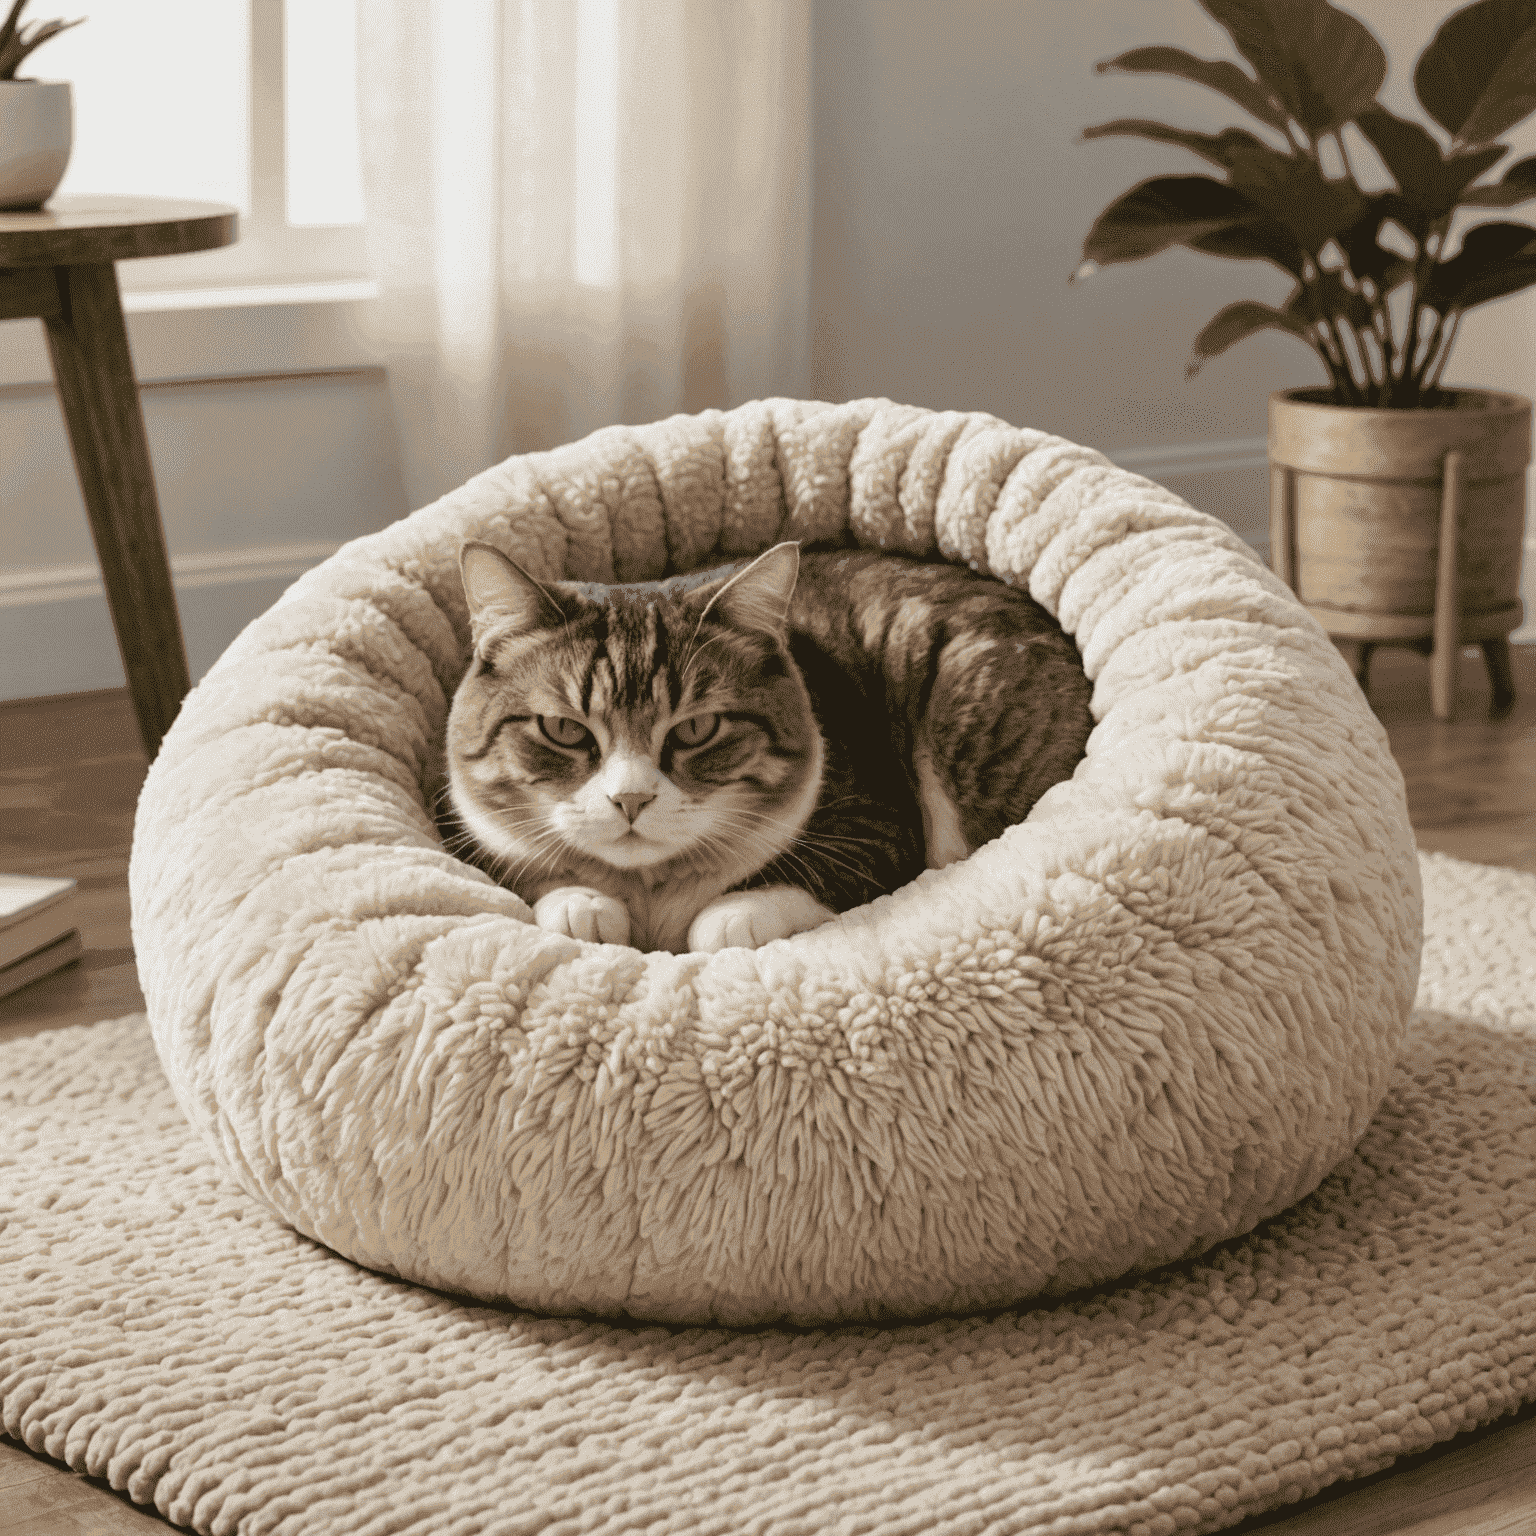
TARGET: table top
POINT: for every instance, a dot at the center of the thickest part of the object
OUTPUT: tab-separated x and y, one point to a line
77	231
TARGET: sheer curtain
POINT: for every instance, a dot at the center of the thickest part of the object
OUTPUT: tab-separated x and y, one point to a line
581	212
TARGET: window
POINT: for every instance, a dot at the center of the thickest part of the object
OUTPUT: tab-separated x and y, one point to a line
250	102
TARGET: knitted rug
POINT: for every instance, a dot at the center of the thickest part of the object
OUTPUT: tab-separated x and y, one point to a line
161	1330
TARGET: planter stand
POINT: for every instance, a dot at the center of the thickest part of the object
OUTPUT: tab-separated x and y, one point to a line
1404	527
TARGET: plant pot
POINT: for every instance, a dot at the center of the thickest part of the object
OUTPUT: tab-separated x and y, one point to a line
1404	527
36	131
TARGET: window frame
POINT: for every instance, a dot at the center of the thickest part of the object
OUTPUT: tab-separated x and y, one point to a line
280	300
269	254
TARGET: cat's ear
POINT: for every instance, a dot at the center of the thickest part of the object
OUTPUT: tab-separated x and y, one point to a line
757	598
501	594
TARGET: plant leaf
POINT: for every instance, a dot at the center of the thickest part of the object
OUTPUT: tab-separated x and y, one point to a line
1494	260
1260	238
1366	255
1296	192
15	47
1463	169
1429	180
1217	74
1233	324
1408	151
1497	282
1477	77
13	16
1218	148
1160	212
1518	186
1327	296
1320	62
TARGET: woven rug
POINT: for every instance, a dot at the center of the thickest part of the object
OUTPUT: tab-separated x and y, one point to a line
160	1330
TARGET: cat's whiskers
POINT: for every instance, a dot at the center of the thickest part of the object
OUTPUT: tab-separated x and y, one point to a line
512	828
726	852
717	837
543	850
734	818
768	849
816	843
801	837
517	854
827	839
538	868
504	863
858	871
807	835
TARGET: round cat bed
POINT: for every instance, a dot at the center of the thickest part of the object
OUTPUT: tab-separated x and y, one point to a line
1154	1013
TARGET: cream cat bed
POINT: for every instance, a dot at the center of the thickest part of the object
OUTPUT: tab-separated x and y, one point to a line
1153	1014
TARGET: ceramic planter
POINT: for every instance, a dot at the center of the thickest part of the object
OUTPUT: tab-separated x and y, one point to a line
36	130
1404	527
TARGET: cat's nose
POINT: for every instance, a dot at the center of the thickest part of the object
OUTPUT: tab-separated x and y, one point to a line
633	803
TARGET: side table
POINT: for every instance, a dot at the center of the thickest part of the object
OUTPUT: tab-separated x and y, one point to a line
56	265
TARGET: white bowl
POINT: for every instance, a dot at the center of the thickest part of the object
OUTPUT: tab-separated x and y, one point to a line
36	129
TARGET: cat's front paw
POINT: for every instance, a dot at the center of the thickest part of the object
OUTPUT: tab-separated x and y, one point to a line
582	913
750	919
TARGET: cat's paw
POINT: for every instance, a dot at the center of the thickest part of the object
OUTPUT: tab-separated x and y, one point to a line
582	913
750	919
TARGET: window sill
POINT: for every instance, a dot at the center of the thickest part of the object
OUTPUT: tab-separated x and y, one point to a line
188	334
252	296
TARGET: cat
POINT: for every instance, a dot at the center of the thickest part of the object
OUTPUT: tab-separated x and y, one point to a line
740	754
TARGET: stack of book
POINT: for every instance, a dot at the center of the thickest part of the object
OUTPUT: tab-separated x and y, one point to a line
38	931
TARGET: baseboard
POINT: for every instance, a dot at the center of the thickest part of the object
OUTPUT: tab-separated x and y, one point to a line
56	636
1179	459
216	568
1228	478
56	633
1240	455
71	583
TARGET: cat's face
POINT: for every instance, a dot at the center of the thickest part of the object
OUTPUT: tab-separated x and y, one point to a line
633	726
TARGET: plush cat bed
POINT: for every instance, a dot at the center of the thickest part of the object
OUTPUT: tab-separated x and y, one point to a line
1151	1015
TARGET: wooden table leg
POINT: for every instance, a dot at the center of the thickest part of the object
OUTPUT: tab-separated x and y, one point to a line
1442	663
1358	654
100	397
1282	523
1501	675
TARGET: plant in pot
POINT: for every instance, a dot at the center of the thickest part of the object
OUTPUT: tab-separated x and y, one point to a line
1397	503
36	116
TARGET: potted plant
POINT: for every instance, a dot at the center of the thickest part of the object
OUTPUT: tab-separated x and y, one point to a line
1397	502
36	116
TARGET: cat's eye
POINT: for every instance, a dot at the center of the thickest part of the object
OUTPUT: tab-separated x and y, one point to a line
564	732
696	731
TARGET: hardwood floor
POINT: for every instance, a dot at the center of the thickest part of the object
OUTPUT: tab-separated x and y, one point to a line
1471	780
70	771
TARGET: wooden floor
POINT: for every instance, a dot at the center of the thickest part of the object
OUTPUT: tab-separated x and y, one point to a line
70	771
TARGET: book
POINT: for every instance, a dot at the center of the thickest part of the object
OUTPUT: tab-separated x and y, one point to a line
38	928
43	962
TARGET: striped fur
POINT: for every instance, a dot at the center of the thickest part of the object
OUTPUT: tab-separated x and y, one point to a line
875	715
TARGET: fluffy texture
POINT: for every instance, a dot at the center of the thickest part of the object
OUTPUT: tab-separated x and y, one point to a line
166	1332
1153	1014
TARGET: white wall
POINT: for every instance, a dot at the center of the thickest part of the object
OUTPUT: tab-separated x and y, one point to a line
951	202
259	478
952	197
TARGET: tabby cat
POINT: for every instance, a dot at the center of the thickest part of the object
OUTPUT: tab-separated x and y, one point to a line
733	756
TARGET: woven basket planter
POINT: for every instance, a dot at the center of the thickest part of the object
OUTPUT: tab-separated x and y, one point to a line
1404	527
